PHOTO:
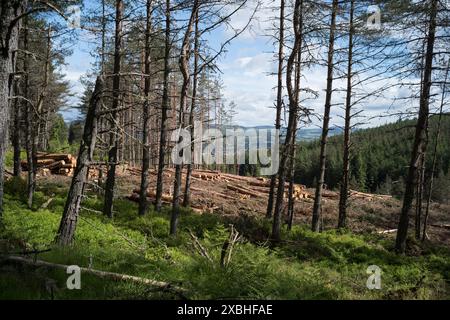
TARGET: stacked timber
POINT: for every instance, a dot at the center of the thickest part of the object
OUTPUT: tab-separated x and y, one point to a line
300	192
53	163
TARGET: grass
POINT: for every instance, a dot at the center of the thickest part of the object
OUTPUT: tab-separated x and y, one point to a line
330	265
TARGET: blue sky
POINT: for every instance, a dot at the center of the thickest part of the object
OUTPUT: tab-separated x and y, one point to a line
245	66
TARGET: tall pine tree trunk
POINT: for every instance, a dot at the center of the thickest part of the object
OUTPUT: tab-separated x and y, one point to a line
326	122
17	114
164	109
69	219
344	190
29	123
184	68
146	115
293	114
9	42
114	139
279	106
434	161
293	146
419	146
187	189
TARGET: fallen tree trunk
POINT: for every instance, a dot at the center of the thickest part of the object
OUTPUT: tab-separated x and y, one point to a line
260	184
56	156
245	191
222	195
357	194
441	226
206	176
387	231
102	274
235	177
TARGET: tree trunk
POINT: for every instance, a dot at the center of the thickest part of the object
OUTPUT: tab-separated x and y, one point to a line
29	124
326	122
34	115
293	114
187	189
113	138
433	165
146	115
9	41
291	200
184	68
293	147
419	146
17	170
279	106
69	219
344	190
164	110
419	195
5	70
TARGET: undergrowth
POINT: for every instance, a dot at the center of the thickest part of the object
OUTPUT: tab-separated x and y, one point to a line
306	265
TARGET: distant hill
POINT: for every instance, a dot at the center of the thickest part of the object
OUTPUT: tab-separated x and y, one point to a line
380	157
305	134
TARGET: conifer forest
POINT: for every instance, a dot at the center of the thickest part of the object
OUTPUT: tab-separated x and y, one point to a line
251	150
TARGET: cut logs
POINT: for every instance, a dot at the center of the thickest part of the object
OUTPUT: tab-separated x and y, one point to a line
367	196
212	188
53	163
245	191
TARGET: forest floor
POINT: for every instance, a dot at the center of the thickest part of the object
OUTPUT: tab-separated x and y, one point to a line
306	265
367	213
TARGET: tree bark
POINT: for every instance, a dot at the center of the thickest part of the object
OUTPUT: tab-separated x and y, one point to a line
344	190
184	68
326	122
279	106
29	125
293	147
291	200
293	114
17	114
146	115
419	146
419	194
113	138
187	189
164	110
69	219
9	41
433	165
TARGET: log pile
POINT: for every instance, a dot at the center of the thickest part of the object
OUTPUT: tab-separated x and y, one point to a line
53	163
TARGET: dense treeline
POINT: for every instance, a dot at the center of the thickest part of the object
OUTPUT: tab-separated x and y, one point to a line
380	159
